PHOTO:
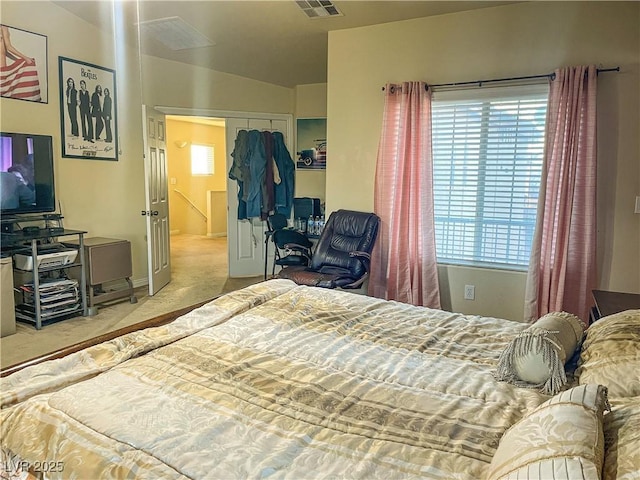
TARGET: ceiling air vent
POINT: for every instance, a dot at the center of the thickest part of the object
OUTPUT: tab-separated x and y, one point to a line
175	33
318	8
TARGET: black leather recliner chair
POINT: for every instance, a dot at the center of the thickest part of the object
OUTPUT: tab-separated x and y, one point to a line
342	256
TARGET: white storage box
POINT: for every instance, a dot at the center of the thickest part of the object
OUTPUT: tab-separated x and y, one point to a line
24	261
8	314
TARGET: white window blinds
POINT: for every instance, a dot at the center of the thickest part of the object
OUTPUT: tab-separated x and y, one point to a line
202	159
487	152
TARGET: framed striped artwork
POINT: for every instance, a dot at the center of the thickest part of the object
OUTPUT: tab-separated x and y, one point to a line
23	65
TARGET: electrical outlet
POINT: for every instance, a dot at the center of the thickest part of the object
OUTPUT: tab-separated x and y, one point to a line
469	292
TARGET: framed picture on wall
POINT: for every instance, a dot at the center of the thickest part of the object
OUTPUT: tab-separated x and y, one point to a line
311	143
24	77
88	113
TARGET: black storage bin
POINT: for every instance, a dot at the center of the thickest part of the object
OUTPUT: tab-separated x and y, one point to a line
303	207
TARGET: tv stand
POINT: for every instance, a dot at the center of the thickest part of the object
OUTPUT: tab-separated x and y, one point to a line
11	223
50	295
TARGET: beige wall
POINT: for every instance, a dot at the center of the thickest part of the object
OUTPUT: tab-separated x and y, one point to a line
311	102
521	39
173	84
106	198
182	216
217	213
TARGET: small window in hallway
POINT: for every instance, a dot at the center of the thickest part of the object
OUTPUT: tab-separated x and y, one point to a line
202	159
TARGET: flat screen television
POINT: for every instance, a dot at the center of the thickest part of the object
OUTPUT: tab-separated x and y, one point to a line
26	168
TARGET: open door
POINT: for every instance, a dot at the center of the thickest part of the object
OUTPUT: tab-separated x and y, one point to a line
246	238
157	199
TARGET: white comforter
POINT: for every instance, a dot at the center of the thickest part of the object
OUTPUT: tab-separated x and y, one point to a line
274	381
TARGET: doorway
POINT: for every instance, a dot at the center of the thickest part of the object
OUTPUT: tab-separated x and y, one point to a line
245	247
197	189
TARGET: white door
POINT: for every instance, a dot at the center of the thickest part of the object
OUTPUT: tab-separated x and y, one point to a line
246	238
157	199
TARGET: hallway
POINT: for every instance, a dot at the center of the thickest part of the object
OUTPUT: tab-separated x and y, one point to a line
198	266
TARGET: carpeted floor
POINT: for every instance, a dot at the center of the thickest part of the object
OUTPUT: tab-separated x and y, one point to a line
198	273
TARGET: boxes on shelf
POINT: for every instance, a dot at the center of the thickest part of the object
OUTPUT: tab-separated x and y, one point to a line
56	297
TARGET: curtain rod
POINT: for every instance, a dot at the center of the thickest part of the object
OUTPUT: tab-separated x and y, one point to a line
528	77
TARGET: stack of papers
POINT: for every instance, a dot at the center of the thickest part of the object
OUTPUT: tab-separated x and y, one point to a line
56	298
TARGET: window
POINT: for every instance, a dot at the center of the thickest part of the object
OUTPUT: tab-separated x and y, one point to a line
487	161
202	159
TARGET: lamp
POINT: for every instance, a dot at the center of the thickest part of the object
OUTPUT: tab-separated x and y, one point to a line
181	143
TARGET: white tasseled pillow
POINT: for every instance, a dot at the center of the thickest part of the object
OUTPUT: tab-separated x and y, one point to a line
536	357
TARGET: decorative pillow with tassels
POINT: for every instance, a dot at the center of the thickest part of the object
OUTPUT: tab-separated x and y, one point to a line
536	357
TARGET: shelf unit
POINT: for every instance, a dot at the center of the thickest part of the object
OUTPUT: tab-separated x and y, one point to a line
42	290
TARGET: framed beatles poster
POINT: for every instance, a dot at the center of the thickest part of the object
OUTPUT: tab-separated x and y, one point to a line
88	114
23	65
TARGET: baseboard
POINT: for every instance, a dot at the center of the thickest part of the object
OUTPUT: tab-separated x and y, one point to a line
217	235
140	282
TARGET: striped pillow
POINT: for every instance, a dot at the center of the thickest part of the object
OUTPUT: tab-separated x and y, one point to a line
560	439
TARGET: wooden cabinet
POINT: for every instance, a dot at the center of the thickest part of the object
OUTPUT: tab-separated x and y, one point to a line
608	303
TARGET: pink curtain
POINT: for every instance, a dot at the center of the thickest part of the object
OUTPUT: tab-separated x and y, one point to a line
403	266
562	270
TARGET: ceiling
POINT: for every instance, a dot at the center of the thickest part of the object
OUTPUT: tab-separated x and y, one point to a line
270	41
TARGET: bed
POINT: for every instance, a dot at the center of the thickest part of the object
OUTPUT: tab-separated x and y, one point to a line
284	381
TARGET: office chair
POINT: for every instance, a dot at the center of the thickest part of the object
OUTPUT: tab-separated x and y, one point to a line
292	249
276	221
342	256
